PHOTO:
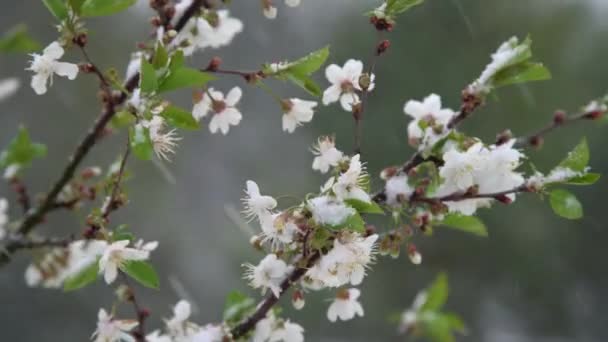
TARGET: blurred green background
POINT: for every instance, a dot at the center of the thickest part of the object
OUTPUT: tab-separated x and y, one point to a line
536	278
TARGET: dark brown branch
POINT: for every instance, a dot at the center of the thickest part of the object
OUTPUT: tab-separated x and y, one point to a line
140	331
23	197
248	324
112	203
455	197
24	243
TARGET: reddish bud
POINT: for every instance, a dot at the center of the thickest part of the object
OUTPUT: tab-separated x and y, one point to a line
536	141
596	114
383	46
504	137
214	64
80	39
559	117
504	199
86	68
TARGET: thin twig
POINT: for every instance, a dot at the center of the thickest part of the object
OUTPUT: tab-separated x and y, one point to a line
559	120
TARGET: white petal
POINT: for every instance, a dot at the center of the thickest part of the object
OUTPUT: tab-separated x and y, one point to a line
332	94
353	69
53	51
68	70
334	74
233	96
39	83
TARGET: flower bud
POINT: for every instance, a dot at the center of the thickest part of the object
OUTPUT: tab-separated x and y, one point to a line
415	256
214	64
382	47
559	117
297	300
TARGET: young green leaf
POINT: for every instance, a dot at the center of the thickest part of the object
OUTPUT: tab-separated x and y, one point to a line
364	207
183	78
305	82
522	73
436	294
565	204
586	179
76	5
83	278
96	8
57	8
161	57
149	82
469	224
237	306
143	272
141	144
578	158
21	151
395	7
18	40
180	118
309	63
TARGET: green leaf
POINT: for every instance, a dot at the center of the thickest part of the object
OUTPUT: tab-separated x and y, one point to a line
565	204
141	144
305	83
183	78
123	119
96	8
76	5
83	278
586	179
436	294
148	80
143	272
57	8
21	151
394	7
437	327
180	118
364	207
237	306
309	63
522	73
160	56
469	224
578	158
320	238
18	40
121	233
354	223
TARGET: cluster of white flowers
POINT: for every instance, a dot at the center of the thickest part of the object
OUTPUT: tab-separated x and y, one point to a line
430	122
113	330
8	87
506	55
47	64
213	29
346	82
270	11
180	329
223	109
273	329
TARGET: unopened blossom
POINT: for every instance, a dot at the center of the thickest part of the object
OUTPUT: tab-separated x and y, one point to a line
47	64
346	262
223	109
116	255
269	10
268	274
164	141
345	83
297	300
113	330
397	190
348	185
256	204
8	87
330	211
3	217
327	155
295	112
345	306
436	120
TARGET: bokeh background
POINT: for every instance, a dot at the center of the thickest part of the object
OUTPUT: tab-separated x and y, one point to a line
536	278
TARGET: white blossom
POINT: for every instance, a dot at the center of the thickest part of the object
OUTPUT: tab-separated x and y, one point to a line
277	229
268	274
224	110
345	84
116	255
134	65
209	333
113	330
296	112
435	118
329	211
397	189
270	11
327	155
8	87
45	65
163	141
156	336
272	329
346	262
348	185
220	31
3	217
293	3
255	203
345	306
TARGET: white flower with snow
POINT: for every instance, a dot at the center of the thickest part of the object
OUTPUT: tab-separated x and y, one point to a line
434	116
134	65
345	84
345	306
277	229
224	110
3	217
329	211
113	330
557	175
8	87
219	30
397	189
45	65
295	112
327	155
163	141
255	203
346	262
348	184
268	274
116	255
